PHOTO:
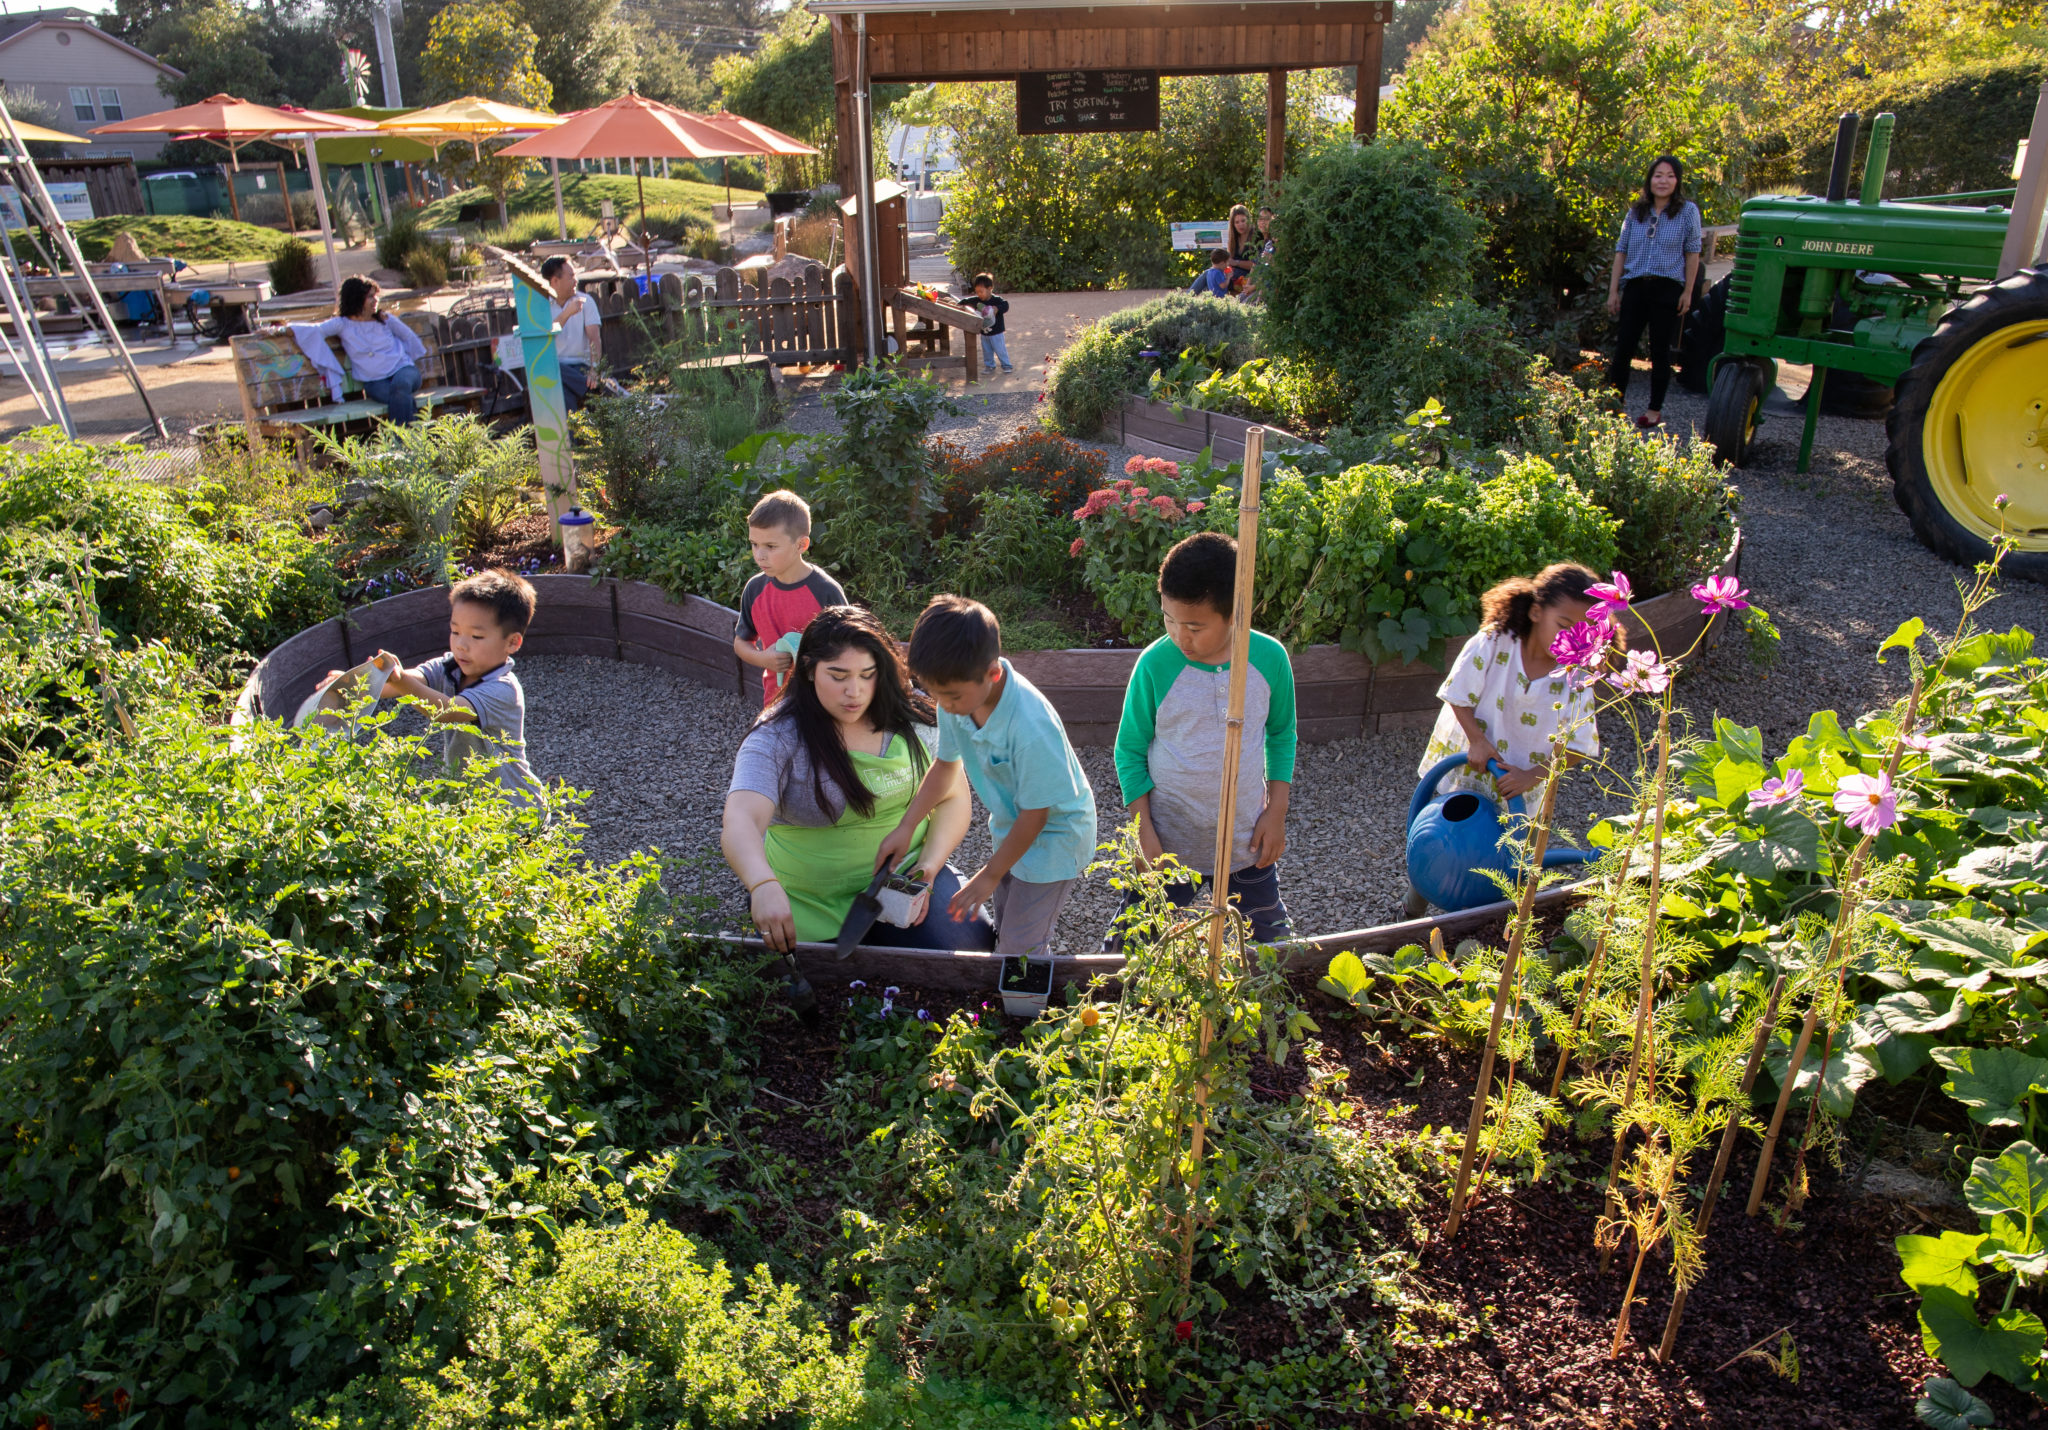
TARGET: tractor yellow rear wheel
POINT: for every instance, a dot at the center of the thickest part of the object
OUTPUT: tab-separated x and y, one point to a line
1969	430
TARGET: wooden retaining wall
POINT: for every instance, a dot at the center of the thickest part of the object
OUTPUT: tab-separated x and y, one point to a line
1156	430
1338	693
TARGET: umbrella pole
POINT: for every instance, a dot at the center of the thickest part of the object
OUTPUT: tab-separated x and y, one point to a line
725	173
561	216
646	239
326	224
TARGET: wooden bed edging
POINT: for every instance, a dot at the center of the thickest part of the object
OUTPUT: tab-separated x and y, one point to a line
1338	693
968	971
1156	430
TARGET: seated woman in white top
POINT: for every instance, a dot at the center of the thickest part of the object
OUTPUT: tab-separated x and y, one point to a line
382	351
577	322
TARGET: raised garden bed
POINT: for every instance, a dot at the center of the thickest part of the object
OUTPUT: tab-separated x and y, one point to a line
1156	430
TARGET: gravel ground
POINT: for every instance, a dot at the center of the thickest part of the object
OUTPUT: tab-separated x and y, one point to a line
1827	554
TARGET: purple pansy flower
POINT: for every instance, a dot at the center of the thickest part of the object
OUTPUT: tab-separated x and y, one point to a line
1720	593
1866	802
1772	793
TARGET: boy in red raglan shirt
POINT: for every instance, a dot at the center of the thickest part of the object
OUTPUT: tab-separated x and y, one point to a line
787	593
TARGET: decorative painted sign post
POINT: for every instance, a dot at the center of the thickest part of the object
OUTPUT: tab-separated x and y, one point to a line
532	297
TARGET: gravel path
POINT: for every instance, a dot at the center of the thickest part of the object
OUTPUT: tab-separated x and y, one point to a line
1827	554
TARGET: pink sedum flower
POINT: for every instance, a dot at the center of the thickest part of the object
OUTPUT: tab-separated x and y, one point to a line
1611	597
1196	507
1867	802
1141	492
1134	466
1721	593
1075	549
1772	793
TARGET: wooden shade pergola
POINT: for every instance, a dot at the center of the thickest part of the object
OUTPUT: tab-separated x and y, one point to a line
922	41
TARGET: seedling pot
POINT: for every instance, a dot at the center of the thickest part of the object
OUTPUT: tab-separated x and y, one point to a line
1026	986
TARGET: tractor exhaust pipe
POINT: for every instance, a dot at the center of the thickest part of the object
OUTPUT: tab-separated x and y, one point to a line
1878	159
1845	151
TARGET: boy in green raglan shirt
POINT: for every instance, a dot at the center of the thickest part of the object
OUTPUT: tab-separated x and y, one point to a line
1170	742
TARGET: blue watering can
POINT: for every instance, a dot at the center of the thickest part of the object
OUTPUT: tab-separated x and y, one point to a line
1454	839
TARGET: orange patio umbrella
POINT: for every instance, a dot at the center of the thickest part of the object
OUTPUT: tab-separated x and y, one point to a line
630	127
771	141
231	123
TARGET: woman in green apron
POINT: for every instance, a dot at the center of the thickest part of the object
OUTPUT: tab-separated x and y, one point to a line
826	772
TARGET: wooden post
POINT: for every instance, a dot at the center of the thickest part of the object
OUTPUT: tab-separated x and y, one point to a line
235	204
845	124
1226	812
1539	839
1365	117
284	193
1763	1163
1276	124
1728	1134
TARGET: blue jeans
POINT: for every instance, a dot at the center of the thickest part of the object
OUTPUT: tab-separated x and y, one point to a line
1255	891
939	929
575	384
397	392
995	346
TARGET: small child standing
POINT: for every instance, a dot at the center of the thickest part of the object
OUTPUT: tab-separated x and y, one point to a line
1170	743
472	692
1505	697
994	347
1214	281
1041	809
787	593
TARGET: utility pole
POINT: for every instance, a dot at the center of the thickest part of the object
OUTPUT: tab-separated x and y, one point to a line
385	19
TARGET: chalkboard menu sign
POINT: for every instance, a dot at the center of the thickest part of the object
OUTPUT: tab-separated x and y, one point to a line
1087	102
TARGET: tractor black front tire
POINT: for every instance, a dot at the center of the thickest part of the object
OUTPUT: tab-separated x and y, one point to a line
1732	406
2022	298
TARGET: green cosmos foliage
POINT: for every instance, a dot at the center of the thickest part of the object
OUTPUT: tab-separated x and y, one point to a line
290	1024
1034	1197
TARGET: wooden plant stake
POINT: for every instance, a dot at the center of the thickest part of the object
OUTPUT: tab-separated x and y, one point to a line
1643	1051
1226	812
1763	1165
1728	1135
1539	840
1599	960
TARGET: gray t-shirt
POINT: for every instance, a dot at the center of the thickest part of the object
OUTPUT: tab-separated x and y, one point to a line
499	734
774	764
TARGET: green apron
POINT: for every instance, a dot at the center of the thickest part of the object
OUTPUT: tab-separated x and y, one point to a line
823	869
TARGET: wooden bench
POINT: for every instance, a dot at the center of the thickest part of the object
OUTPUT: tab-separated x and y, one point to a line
283	394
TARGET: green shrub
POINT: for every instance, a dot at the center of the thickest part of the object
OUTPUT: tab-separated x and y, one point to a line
1675	508
1018	544
280	1016
1124	530
633	1324
712	560
1059	471
399	238
680	226
1096	373
210	580
523	230
1463	355
652	458
427	265
1365	235
291	267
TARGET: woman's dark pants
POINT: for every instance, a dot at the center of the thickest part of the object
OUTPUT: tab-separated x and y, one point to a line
1650	303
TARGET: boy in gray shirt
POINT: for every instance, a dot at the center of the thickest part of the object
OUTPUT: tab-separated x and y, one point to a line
476	698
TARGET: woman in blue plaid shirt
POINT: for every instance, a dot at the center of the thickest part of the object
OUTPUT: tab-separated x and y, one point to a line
1656	260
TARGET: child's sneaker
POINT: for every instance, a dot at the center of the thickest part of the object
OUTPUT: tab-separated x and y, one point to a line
1008	368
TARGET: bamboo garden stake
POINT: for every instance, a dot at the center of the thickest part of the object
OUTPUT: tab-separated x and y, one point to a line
1591	986
1539	839
1226	813
1728	1135
1763	1165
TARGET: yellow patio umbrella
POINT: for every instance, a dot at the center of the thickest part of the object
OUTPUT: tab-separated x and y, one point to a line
48	136
470	118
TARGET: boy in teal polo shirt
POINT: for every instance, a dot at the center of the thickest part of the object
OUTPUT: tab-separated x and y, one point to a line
1041	810
1171	740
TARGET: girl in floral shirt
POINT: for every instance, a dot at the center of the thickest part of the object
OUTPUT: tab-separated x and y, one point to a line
1505	696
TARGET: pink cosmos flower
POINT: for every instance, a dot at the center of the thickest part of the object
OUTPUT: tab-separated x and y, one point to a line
1866	802
1196	506
1075	549
1134	466
1583	644
1720	593
1611	597
1772	793
1925	744
1644	674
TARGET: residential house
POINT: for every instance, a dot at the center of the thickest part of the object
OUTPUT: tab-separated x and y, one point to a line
86	74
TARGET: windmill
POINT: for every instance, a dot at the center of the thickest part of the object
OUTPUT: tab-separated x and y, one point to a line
355	71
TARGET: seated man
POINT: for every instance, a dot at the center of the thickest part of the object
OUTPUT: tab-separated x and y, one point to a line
578	324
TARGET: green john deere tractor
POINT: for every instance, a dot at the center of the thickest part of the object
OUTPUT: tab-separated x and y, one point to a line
1946	300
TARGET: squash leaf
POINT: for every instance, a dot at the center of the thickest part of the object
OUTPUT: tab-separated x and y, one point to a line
2009	1347
1947	1406
1943	1260
1347	978
1994	1083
